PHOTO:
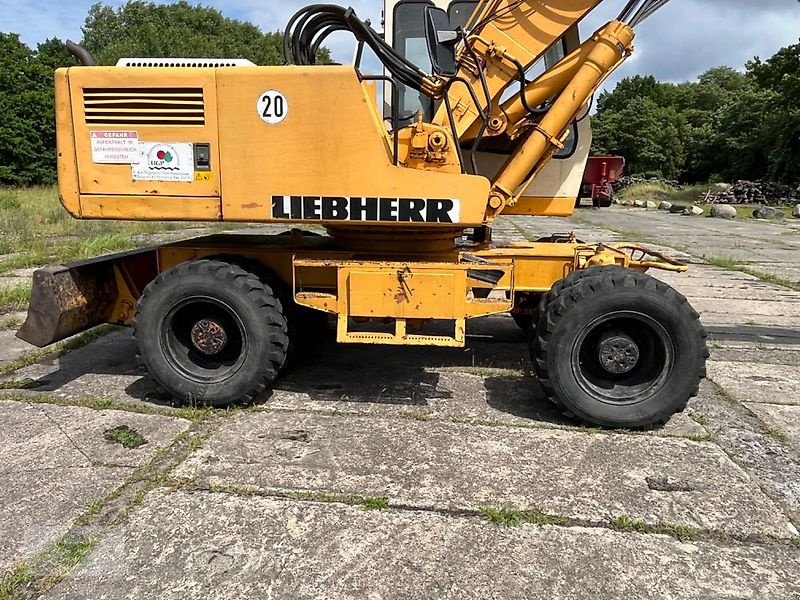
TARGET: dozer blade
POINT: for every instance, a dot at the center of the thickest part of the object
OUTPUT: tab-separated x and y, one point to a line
69	299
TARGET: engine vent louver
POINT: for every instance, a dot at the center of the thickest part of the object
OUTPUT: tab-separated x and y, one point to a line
144	106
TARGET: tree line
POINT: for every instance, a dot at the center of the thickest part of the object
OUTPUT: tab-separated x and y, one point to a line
137	29
727	125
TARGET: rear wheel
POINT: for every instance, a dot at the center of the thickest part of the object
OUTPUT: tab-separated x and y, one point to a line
525	313
618	348
211	333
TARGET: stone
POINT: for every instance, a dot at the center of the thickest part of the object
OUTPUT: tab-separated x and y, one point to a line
650	205
677	209
639	203
768	213
796	211
665	205
723	211
693	211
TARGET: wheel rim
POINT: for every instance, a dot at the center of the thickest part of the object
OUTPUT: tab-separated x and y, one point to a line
204	339
623	357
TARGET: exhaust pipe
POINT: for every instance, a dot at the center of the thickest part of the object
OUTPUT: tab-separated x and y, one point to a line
81	54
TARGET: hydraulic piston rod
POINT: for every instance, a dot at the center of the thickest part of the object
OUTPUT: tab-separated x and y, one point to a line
610	46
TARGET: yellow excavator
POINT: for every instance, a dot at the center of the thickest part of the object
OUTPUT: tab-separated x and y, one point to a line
483	114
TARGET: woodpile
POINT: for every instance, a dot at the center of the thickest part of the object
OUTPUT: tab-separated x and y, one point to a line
753	192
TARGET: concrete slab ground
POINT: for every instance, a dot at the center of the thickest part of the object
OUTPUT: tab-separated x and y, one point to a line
203	545
448	466
758	382
56	460
770	247
269	501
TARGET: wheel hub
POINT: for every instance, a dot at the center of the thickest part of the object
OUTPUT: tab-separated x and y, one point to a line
618	353
209	337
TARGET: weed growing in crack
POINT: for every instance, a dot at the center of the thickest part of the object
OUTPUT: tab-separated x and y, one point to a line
773	432
510	517
626	523
125	436
375	503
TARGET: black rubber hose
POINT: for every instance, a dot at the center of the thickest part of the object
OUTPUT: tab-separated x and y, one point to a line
81	54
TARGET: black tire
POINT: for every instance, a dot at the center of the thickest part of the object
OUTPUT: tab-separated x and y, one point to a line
570	280
618	348
546	299
211	333
525	313
304	325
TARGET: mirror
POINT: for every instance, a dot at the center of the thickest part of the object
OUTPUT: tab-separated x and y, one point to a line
442	39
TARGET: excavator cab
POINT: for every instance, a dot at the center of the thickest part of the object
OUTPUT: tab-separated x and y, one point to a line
558	185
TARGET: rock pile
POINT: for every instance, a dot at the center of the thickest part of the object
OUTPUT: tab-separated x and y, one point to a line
753	192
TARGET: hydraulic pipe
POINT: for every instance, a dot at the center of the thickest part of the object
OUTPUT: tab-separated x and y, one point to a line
609	45
548	85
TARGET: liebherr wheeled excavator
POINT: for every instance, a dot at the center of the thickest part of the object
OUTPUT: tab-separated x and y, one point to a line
484	114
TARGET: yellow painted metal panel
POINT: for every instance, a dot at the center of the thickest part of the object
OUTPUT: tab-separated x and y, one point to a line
549	207
68	190
89	83
411	295
150	208
331	142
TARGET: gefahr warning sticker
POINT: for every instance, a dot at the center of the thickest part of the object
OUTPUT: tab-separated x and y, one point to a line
115	147
164	161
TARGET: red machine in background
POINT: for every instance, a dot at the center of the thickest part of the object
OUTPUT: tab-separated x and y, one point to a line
598	179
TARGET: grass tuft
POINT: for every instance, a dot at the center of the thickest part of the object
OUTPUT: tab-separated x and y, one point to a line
10	322
679	531
510	517
14	582
421	415
735	265
73	552
773	432
626	523
79	341
375	503
701	437
15	298
20	384
648	190
125	436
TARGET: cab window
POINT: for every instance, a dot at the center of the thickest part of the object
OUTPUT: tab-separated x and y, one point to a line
460	11
409	41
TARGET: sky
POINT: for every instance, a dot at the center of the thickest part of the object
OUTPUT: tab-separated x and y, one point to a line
678	43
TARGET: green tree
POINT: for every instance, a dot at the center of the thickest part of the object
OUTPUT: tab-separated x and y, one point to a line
631	88
144	29
779	78
649	136
27	128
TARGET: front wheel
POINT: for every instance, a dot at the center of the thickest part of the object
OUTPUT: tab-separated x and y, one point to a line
620	349
211	333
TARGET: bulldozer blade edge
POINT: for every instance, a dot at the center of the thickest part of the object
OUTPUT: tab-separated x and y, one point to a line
394	210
